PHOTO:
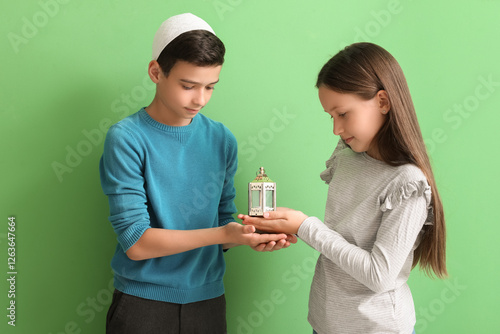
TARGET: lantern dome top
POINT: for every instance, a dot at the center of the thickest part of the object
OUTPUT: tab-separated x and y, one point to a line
262	176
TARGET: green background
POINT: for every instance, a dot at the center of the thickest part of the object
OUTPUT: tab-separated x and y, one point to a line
71	68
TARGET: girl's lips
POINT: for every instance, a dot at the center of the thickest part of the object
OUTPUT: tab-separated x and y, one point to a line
348	140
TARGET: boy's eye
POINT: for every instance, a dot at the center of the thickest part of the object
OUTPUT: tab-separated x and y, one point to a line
187	87
210	87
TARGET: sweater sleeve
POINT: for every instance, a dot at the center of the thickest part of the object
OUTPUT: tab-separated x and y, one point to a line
379	267
226	206
122	181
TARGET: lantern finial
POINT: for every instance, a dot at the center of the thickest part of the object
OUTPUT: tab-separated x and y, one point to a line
262	176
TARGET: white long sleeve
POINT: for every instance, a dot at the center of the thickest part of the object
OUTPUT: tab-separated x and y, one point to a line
378	268
373	219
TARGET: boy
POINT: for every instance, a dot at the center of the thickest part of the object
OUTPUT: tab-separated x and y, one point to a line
168	173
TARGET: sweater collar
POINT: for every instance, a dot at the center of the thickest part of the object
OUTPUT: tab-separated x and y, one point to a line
168	128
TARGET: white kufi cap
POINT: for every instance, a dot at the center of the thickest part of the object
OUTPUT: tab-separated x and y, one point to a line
173	27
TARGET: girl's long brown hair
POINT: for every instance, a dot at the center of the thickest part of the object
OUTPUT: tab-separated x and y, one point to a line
364	69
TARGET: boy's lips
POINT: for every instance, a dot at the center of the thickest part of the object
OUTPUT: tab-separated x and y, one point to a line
193	110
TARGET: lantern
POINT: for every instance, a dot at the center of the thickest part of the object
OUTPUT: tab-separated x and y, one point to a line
261	194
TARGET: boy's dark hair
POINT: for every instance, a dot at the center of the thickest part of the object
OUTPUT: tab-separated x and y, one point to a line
198	47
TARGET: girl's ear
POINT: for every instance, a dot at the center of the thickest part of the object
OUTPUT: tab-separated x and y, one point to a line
154	71
383	101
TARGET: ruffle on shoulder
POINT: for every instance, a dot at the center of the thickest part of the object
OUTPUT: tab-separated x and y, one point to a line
327	174
413	188
331	164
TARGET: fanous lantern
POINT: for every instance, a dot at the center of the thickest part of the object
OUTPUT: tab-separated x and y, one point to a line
261	194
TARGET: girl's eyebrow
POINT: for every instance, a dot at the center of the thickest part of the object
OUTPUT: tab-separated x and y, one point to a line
334	108
197	83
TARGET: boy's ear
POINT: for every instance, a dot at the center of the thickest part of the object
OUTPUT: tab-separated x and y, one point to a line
383	101
154	71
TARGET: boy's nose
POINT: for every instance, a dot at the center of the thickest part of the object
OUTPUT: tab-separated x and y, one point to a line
199	98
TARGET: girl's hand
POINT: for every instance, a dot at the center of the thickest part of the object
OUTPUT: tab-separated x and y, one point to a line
283	220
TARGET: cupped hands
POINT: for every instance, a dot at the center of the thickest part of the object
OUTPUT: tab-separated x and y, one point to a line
266	242
283	220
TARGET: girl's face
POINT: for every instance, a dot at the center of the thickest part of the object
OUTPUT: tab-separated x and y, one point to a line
355	120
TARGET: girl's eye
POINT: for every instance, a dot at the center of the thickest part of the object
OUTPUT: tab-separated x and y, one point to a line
342	115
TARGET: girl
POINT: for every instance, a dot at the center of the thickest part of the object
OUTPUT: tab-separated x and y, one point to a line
383	212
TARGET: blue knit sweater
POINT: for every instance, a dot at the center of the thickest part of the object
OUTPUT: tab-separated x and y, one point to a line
178	178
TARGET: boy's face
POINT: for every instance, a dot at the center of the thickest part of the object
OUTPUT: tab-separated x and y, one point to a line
181	94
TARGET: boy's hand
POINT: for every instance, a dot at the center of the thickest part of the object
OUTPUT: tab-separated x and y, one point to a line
283	220
273	245
245	235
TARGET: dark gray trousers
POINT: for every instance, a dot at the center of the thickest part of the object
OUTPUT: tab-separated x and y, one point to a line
133	315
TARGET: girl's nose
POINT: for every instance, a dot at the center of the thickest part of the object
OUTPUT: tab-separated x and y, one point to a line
337	128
